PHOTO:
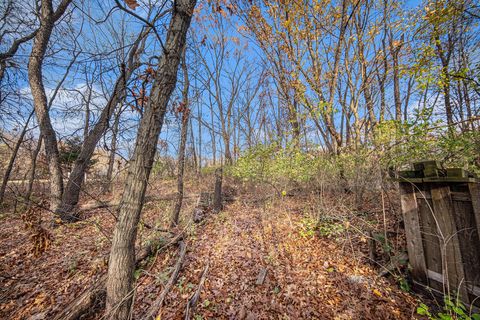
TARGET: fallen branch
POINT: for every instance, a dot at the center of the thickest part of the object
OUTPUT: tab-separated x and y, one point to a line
157	304
94	297
107	204
194	299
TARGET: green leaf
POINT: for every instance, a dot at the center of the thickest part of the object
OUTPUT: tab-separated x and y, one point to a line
475	316
422	309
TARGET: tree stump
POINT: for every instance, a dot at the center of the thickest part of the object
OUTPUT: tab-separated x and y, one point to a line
202	208
217	199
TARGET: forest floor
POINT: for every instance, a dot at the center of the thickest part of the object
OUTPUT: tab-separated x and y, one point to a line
308	275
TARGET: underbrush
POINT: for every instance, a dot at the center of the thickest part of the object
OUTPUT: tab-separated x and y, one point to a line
348	197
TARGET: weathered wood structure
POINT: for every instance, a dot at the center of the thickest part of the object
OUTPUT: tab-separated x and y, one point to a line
441	211
211	202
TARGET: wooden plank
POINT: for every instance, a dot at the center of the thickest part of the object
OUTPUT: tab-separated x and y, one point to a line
423	195
474	189
411	219
435	275
461	196
430	237
470	243
451	255
456	196
457	172
261	276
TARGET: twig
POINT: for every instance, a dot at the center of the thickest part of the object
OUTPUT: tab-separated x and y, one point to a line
194	299
157	304
86	301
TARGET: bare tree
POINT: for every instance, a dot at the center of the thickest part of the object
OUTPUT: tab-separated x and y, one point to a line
13	156
75	181
48	17
13	17
122	254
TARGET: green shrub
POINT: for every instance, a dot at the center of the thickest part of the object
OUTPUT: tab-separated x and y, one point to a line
275	164
452	310
398	144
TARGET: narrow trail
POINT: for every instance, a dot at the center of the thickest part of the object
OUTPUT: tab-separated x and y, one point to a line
307	277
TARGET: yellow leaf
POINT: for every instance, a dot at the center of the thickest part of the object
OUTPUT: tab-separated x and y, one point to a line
377	293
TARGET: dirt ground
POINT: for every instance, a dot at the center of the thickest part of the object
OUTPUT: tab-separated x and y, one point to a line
308	275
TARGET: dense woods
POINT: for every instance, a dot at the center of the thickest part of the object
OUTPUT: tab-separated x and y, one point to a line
239	159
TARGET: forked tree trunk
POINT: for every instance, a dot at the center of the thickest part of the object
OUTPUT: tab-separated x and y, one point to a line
122	255
48	17
74	184
75	181
183	142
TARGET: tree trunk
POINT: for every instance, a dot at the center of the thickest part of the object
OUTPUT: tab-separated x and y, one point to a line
72	191
194	147
444	59
107	187
395	50
48	17
228	153
75	180
183	141
199	139
122	255
217	196
93	297
9	168
31	179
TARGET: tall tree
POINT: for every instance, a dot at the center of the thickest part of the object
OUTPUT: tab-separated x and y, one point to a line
122	254
72	191
48	18
184	112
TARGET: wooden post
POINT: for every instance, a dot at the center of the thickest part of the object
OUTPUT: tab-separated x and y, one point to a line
452	263
217	200
411	219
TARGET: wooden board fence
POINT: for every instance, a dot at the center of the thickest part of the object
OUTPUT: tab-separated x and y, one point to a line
441	211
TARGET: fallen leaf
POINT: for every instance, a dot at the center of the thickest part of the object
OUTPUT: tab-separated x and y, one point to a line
377	293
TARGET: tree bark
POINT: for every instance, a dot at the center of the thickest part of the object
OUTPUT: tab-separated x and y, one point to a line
31	179
217	196
75	181
122	255
107	187
9	168
445	60
95	295
183	142
395	50
48	17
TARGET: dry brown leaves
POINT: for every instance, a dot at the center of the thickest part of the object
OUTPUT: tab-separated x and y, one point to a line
39	236
132	4
307	277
